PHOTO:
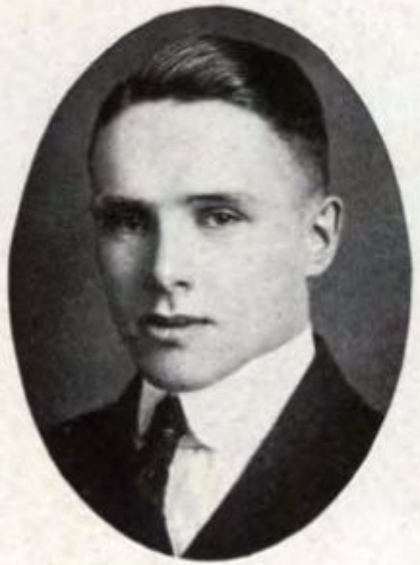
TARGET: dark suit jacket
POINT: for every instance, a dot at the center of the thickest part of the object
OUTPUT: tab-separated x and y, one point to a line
313	450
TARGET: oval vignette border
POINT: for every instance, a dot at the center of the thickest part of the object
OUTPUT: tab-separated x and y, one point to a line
44	212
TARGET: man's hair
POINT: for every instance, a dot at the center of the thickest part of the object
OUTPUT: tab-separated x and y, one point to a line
211	67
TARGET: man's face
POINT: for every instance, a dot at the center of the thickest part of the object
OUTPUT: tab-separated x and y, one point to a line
202	219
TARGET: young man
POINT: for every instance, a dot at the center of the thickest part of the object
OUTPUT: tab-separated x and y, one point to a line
209	170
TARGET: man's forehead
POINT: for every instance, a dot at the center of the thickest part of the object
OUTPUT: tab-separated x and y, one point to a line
176	123
200	147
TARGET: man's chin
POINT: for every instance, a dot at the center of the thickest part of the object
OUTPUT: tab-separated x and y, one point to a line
172	384
175	376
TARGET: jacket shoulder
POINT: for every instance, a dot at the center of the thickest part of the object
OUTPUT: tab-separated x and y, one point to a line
97	444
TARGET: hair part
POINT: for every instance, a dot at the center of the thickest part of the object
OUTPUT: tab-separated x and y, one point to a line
244	74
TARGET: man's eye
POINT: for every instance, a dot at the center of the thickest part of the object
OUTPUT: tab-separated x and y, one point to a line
219	218
126	221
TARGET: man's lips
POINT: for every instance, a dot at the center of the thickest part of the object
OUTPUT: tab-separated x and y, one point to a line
174	322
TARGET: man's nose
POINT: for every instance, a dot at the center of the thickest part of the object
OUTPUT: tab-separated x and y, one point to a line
172	266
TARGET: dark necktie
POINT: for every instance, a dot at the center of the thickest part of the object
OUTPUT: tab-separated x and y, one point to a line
168	425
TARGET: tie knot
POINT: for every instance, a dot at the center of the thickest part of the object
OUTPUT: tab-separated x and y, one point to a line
168	420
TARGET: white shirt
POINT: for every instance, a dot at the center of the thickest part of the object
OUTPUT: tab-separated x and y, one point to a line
223	437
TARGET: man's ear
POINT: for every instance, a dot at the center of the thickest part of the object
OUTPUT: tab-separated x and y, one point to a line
324	230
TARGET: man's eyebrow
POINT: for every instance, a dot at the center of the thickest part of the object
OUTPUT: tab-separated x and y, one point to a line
221	198
103	203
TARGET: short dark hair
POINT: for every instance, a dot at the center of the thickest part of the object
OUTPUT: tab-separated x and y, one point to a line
211	67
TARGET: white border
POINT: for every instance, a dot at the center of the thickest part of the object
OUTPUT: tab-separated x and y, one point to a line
45	47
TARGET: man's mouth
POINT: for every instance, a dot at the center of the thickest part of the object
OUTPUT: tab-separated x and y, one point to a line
170	328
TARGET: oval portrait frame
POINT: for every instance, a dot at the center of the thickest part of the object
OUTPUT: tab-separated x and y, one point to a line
70	356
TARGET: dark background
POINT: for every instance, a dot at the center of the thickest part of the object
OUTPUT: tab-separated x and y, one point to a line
70	356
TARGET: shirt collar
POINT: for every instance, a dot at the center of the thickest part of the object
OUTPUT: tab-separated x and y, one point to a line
237	411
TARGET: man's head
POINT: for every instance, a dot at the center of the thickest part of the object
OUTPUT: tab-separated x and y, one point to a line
210	173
